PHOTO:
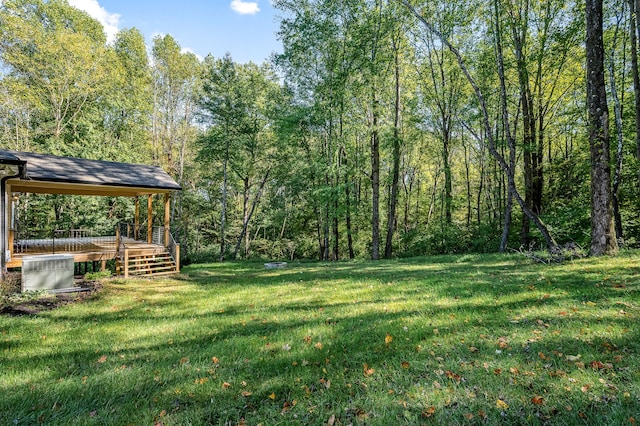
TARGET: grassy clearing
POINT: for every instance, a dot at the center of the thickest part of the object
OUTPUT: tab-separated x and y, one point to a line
444	340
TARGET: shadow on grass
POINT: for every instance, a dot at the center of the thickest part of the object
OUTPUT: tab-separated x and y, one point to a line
228	343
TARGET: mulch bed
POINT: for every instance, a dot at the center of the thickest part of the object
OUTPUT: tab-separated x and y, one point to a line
48	302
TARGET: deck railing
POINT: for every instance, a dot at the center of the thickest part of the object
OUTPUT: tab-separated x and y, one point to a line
128	230
174	249
59	240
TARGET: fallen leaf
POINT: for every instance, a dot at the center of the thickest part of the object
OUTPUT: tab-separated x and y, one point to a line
332	420
468	416
429	412
537	400
215	360
246	393
272	396
501	404
473	349
226	385
597	365
405	364
453	376
318	345
388	339
368	371
102	359
572	358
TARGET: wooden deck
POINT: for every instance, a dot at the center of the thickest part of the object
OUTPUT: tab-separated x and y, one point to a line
83	249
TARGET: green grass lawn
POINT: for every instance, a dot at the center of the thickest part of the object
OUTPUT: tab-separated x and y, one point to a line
443	340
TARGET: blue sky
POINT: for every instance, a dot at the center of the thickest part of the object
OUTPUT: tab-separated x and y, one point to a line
244	28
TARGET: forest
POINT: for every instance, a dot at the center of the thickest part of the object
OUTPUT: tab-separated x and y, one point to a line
385	128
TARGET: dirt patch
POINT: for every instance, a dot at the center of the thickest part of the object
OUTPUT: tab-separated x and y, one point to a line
48	302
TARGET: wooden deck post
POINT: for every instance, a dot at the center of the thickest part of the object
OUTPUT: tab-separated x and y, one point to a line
126	263
177	259
150	218
167	213
136	223
9	216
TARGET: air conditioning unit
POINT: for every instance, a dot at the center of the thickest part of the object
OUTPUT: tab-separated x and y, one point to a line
53	272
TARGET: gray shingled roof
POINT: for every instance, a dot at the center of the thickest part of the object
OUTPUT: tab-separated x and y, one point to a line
52	168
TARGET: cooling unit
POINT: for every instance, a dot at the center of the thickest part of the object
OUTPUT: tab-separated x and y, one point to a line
51	272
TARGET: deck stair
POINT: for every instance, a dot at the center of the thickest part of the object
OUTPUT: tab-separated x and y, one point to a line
147	263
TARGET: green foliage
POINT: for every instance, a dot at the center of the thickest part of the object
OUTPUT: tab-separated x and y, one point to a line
94	276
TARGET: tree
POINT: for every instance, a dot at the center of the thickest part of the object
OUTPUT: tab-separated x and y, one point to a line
491	145
53	53
235	103
222	107
603	239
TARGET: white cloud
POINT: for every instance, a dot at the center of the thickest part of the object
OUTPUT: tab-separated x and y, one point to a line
189	50
245	7
110	21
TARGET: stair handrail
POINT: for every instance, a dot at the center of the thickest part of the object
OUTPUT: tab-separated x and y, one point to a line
174	250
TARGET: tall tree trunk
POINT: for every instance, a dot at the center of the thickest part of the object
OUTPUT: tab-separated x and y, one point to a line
395	176
448	187
375	178
634	33
617	108
336	229
603	239
223	213
507	129
519	30
249	214
347	194
468	179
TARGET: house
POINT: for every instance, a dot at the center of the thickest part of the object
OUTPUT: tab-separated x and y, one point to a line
150	252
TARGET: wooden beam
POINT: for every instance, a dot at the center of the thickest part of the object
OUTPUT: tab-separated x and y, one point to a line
167	215
150	218
9	218
136	223
43	187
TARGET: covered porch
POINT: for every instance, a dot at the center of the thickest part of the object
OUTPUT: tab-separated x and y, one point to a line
136	248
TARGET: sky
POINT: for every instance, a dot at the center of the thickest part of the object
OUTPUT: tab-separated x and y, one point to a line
244	28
